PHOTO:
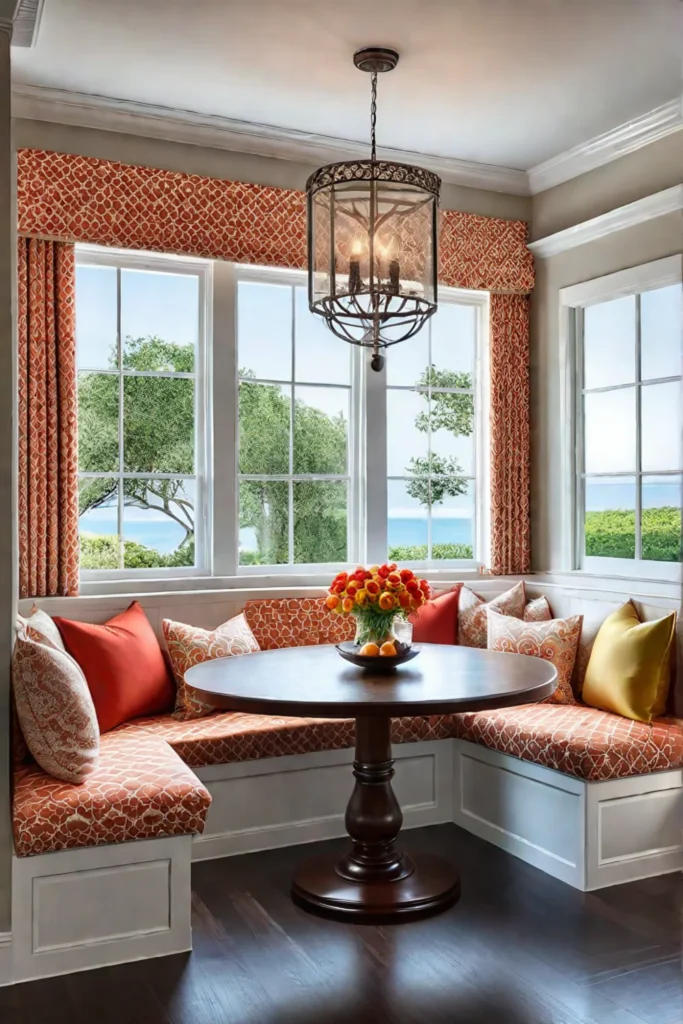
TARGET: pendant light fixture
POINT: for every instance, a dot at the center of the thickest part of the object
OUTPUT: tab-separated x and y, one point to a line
372	240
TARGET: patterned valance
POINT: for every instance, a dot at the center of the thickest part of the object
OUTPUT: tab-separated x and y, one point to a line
73	198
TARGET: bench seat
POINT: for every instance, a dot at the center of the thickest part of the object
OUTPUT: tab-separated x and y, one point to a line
577	740
233	736
141	789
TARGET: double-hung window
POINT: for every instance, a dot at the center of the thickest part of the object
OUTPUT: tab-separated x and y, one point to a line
629	423
225	431
141	423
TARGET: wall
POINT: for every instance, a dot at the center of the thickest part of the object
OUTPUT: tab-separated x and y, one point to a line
648	170
7	490
629	248
218	163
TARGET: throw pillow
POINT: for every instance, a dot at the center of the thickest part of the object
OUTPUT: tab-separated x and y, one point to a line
190	645
537	610
41	626
473	611
556	641
437	621
629	671
55	710
123	664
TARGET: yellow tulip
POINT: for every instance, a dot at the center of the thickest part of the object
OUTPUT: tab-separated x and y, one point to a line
361	597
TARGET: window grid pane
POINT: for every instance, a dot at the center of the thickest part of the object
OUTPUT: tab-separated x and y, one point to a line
149	481
653	494
446	469
294	496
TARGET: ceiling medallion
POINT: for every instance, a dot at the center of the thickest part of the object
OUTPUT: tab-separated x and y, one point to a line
372	240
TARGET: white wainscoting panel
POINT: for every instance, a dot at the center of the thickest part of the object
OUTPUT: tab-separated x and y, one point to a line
635	828
283	801
6	973
532	812
93	907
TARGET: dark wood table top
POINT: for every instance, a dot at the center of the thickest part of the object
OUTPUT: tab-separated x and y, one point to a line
315	682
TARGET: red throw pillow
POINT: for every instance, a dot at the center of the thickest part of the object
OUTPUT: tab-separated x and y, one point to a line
437	621
123	665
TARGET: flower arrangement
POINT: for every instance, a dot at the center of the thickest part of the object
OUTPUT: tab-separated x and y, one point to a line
376	598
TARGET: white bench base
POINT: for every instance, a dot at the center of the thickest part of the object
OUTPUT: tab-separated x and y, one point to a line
104	905
588	834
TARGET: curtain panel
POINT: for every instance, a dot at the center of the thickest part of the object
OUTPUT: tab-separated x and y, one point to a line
74	198
47	414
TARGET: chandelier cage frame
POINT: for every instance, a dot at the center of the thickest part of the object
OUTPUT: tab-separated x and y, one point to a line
373	293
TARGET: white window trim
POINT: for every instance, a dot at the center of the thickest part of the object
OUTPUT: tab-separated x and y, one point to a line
217	513
93	255
647	277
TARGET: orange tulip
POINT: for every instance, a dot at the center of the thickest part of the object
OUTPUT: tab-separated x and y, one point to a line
348	604
393	580
407	574
413	587
386	602
372	587
383	571
404	599
332	602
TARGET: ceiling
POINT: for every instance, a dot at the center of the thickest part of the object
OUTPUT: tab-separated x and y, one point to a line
504	82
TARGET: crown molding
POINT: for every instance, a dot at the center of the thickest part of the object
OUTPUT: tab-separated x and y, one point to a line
604	148
670	200
27	22
185	126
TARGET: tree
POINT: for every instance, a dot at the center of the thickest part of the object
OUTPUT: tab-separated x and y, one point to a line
441	476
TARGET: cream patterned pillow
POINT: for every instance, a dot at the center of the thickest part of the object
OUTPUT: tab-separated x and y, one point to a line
191	645
55	710
556	641
42	627
538	610
473	613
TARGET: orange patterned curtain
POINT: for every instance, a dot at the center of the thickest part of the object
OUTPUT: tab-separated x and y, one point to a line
48	435
84	199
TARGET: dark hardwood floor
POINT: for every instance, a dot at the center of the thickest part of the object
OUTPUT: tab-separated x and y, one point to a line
519	948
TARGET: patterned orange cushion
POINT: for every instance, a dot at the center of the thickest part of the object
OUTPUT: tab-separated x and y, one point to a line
190	645
55	710
473	610
577	740
556	641
139	790
296	622
537	610
234	736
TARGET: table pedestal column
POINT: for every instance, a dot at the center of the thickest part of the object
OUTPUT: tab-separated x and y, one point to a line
374	879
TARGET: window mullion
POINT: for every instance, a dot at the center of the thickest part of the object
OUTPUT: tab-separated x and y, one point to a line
639	451
119	359
375	463
292	404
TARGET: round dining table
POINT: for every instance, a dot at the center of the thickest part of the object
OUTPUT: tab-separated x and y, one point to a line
374	879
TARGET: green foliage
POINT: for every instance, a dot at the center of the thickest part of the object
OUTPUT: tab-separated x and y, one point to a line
453	413
418	552
102	552
611	534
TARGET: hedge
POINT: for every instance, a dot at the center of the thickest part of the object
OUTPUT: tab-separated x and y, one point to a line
612	534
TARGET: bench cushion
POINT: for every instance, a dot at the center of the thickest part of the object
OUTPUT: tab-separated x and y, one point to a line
577	740
140	790
296	622
234	736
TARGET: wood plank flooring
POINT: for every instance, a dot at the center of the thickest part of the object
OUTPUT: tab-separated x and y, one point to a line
519	948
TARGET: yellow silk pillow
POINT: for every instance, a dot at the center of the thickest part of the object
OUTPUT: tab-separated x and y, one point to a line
629	671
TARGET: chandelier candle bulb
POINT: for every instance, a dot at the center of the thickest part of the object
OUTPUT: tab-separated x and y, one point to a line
394	277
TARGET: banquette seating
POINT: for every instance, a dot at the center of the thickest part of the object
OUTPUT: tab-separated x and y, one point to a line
587	796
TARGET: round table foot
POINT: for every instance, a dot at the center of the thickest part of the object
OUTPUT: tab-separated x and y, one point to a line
433	886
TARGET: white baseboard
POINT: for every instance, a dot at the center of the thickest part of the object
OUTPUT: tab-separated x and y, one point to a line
94	907
6	972
588	834
284	801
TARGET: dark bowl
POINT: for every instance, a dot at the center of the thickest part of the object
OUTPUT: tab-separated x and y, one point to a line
378	663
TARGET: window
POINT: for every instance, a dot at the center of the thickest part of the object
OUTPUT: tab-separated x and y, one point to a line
628	453
139	323
431	439
294	429
268	447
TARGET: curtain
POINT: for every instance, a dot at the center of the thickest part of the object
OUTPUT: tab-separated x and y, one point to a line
509	425
48	435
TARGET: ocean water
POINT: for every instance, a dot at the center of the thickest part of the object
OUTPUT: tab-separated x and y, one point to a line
165	536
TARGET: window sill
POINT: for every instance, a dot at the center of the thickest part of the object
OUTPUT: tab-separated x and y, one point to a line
623	586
